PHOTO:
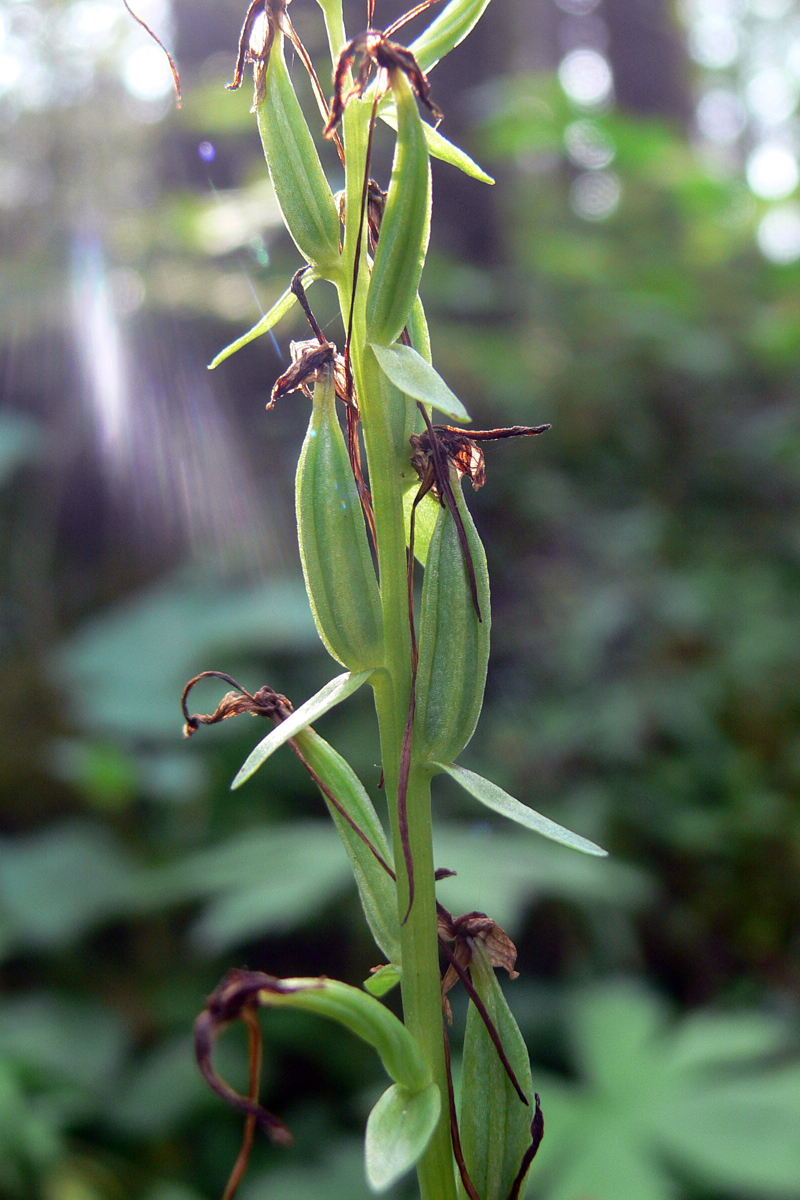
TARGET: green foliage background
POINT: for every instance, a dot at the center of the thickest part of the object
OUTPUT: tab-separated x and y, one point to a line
644	686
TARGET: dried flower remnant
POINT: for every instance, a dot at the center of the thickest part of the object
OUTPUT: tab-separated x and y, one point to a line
266	702
310	359
374	49
457	936
234	997
255	41
459	448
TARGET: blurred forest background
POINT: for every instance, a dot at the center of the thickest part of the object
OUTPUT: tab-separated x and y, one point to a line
634	278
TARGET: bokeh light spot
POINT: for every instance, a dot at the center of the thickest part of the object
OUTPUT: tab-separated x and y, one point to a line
207	151
772	171
147	74
595	195
586	77
778	234
714	42
771	95
588	145
721	116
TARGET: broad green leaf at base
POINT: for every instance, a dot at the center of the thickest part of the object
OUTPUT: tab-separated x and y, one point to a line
507	806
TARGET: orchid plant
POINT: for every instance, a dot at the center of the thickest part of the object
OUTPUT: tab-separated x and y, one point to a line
379	497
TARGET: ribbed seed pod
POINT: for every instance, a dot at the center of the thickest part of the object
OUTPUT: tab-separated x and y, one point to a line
303	192
405	227
337	563
453	643
495	1124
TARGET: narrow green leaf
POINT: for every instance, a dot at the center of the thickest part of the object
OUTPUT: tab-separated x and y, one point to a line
500	802
443	149
398	1131
440	147
279	309
409	371
447	31
328	697
383	980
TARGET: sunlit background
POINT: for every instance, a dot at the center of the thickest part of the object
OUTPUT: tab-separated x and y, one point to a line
633	277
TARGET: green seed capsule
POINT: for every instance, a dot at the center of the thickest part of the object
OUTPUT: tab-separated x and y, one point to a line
337	564
495	1124
405	227
303	193
453	643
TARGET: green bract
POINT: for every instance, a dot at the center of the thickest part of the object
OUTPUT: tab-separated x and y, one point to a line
337	563
448	29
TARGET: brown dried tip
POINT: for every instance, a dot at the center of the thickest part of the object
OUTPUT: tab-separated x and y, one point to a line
173	66
537	1133
310	360
265	703
255	42
375	50
237	994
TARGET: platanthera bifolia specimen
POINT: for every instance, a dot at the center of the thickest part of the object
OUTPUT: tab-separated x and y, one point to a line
379	497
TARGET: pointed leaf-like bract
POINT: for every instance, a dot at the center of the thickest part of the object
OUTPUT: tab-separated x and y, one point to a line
383	980
328	697
495	1125
447	31
398	1131
279	309
500	802
409	371
443	149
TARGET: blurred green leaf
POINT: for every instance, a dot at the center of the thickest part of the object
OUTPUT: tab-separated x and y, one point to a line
20	442
657	1097
124	671
501	873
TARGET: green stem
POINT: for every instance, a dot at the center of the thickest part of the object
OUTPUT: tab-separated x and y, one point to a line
422	1003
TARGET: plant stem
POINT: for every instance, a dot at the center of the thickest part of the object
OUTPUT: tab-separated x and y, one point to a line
422	1003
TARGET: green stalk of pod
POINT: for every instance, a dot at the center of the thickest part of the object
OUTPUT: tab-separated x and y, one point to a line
405	227
303	192
453	643
337	564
